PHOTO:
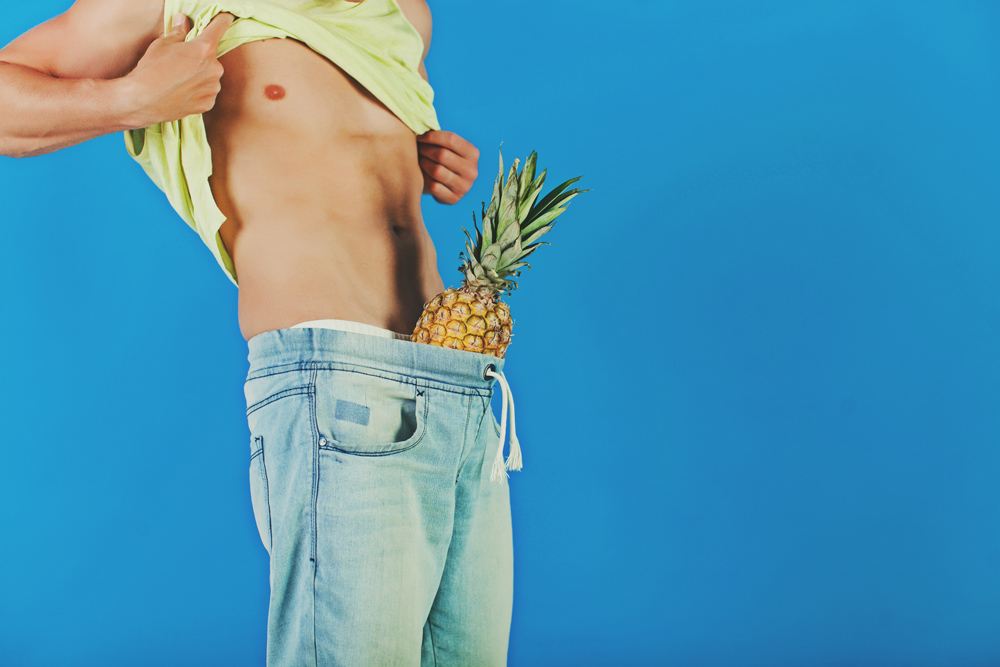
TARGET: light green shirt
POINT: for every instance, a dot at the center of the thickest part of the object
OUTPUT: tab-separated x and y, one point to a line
371	41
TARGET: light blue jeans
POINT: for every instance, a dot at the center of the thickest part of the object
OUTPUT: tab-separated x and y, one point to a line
370	462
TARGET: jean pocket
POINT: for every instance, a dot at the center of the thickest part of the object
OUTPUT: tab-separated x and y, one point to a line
259	492
369	413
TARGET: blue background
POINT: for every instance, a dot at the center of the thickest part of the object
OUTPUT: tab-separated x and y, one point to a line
756	373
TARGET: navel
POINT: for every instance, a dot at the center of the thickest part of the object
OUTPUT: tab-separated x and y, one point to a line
274	92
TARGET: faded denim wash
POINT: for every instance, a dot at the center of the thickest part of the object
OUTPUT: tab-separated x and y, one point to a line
370	481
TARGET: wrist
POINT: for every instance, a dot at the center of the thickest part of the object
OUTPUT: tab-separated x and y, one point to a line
126	102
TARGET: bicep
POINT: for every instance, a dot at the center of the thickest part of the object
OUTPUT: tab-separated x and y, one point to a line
94	39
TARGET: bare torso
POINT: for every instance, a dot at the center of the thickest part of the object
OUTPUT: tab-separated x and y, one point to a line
321	187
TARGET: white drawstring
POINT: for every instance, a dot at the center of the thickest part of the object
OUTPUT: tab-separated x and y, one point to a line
514	460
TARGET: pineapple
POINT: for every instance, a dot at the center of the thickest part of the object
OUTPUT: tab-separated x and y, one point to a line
472	317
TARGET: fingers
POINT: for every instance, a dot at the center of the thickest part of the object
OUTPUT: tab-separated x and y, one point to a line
449	164
458	180
216	28
180	29
436	172
440	192
212	34
449	160
451	141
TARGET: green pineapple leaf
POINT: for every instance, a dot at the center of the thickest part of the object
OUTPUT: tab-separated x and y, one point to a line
509	235
528	173
545	219
491	255
511	253
508	202
536	234
547	201
558	204
512	224
528	197
490	217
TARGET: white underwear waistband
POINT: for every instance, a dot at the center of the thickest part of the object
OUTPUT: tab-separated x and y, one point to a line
354	327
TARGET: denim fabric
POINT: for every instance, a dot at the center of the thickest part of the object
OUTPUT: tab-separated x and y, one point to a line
370	468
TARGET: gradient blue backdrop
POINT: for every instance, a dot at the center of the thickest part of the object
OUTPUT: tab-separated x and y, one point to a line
756	373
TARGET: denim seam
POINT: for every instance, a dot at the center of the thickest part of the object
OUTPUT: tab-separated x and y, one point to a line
284	393
487	410
312	505
493	423
421	429
465	443
267	495
430	630
338	365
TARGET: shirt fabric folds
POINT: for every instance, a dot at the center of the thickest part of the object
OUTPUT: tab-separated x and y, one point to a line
372	41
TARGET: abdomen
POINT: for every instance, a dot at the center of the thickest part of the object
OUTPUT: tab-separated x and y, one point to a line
320	185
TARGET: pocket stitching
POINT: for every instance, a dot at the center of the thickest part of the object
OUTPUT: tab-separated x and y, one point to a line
259	453
284	393
419	434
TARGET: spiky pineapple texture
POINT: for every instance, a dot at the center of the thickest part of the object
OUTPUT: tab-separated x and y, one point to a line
512	226
473	317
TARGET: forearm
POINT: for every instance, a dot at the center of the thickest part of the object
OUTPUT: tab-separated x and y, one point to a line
40	113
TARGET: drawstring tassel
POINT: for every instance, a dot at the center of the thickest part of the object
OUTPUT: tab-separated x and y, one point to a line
514	460
499	471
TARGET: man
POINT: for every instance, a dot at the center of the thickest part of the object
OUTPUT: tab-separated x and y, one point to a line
370	454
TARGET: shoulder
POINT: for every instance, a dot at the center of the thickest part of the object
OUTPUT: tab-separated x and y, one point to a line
138	16
100	39
418	13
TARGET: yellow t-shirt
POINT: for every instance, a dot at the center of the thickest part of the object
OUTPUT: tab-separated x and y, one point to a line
372	41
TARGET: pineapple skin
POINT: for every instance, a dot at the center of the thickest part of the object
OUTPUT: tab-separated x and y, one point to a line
468	319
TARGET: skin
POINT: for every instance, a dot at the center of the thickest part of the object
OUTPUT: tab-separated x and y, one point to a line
320	183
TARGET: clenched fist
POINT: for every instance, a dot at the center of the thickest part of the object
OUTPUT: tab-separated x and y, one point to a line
175	78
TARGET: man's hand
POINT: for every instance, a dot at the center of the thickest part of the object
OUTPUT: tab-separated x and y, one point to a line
176	78
449	163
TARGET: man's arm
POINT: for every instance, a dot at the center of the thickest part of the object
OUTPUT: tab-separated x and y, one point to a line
101	67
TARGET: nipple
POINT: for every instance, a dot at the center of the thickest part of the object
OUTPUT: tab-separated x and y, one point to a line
274	92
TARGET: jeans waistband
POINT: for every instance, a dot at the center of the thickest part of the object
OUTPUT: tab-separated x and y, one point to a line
303	346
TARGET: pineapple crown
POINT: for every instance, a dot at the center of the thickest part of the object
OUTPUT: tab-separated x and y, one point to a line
512	226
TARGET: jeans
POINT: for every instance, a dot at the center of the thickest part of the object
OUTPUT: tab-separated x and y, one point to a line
370	463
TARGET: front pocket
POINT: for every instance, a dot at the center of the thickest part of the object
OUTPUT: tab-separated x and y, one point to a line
368	413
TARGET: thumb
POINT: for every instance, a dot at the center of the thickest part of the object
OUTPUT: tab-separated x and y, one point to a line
180	29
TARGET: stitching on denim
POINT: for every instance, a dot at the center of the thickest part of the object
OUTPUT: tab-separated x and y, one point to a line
315	472
366	370
465	443
434	651
284	393
398	377
312	505
487	410
267	496
421	429
274	370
